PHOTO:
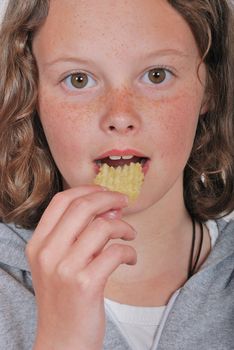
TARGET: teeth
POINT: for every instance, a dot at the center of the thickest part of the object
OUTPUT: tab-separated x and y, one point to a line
127	157
115	157
119	157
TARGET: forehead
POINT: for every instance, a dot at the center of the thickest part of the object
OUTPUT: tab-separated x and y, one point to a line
113	26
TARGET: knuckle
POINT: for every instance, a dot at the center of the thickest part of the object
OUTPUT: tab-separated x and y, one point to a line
63	271
59	197
102	224
117	251
83	281
89	286
44	259
80	203
123	253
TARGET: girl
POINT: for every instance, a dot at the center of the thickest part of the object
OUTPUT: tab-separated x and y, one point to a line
115	82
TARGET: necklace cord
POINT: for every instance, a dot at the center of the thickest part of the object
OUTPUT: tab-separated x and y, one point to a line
199	250
192	266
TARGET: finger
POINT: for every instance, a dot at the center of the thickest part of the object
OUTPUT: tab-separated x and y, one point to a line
92	241
94	277
58	205
111	214
75	219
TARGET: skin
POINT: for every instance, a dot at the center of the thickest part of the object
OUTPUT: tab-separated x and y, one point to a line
72	251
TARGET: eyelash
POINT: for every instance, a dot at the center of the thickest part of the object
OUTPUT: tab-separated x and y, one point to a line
165	70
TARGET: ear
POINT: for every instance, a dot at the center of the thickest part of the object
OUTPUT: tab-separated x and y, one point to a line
207	103
204	107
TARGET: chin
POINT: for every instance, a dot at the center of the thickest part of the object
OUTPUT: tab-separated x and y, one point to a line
140	205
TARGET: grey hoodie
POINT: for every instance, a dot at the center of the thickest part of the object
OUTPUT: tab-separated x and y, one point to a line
202	316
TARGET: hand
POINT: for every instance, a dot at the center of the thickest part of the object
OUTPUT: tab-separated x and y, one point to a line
71	263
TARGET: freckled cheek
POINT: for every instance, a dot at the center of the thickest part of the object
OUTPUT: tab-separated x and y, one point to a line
67	125
171	123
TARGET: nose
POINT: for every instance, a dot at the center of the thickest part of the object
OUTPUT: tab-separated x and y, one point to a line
121	123
120	117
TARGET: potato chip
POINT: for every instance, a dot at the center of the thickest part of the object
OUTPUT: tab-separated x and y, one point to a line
127	179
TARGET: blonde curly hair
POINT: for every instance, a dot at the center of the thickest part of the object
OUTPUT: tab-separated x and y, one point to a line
28	175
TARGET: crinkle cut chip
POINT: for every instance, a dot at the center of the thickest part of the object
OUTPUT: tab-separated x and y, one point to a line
127	179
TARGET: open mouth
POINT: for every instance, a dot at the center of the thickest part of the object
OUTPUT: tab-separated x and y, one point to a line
116	161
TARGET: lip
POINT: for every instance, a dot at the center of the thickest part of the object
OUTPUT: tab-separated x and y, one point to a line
125	152
117	152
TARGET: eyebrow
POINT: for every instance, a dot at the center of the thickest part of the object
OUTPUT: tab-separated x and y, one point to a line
72	59
166	52
77	59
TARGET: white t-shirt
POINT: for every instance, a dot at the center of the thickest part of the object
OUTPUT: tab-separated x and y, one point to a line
139	325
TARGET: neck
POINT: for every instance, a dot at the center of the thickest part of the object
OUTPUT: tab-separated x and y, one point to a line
164	225
164	236
158	243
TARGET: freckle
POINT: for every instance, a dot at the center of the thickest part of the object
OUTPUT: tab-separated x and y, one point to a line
121	99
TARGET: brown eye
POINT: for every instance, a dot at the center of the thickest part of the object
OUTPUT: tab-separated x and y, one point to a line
79	80
157	75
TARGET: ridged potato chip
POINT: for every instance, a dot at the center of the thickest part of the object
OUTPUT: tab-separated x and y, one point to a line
127	179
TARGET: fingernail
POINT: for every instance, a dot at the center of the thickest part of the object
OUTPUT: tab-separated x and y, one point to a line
114	214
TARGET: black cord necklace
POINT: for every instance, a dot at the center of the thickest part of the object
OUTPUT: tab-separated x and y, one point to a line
193	262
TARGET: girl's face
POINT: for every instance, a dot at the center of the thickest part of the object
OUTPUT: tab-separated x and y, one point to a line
120	75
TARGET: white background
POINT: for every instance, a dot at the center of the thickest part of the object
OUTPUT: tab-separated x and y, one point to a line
2	7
